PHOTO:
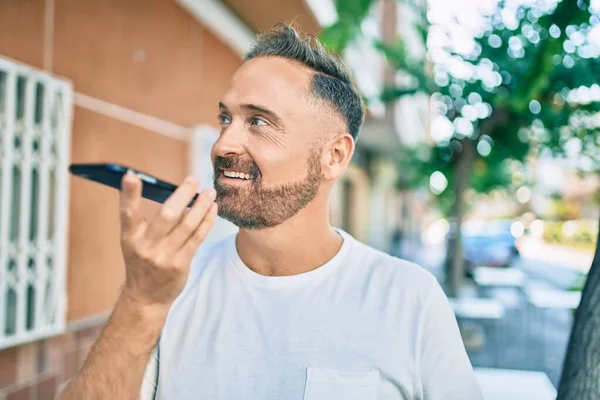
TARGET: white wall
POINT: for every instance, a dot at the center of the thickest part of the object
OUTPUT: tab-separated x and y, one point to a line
201	141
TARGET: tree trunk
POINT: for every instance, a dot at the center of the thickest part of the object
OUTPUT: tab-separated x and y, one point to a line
581	371
455	263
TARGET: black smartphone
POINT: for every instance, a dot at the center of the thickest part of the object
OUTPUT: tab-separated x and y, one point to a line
111	174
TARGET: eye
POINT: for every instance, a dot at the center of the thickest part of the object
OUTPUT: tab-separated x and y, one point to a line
224	119
257	121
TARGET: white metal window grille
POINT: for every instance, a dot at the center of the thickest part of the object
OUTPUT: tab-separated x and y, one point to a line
35	136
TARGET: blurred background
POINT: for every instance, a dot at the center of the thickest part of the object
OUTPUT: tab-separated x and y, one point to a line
478	159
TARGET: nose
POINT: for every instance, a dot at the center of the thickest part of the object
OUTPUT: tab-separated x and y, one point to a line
230	142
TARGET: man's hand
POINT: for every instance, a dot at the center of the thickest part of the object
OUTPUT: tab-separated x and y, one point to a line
158	252
157	255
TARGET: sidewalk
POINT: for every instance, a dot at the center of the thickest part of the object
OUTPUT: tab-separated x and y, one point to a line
538	250
527	338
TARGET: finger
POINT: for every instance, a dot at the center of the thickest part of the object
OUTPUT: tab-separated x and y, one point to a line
172	210
190	247
130	199
189	223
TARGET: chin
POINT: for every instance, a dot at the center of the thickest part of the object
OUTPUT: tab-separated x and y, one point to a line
247	222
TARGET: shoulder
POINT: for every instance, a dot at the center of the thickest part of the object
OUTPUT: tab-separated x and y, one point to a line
381	263
392	274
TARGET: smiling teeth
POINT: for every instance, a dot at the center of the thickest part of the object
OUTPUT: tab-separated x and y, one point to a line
235	174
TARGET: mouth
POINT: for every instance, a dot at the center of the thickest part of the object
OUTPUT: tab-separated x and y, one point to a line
238	176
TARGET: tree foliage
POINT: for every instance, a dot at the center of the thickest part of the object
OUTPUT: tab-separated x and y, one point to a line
527	87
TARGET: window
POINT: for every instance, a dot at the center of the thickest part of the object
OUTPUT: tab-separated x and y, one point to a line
35	124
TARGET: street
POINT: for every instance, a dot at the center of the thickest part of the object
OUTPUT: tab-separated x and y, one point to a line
527	338
550	273
530	338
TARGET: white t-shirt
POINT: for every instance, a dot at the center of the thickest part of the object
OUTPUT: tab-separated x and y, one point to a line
364	326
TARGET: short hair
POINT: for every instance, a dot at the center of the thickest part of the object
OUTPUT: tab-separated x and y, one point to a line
332	81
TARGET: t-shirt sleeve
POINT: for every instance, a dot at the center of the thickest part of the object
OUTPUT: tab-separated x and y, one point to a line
445	370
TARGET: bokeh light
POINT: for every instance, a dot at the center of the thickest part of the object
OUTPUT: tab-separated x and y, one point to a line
484	146
536	229
523	194
535	107
438	183
517	229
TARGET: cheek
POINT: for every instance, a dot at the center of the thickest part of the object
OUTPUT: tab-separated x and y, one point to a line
283	167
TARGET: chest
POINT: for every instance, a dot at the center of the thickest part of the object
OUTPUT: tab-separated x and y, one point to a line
238	343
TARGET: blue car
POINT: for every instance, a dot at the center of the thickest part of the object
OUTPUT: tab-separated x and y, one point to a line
489	243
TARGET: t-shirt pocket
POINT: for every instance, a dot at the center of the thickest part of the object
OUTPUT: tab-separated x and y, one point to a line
333	384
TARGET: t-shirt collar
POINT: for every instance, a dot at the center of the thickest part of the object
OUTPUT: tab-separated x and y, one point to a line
276	282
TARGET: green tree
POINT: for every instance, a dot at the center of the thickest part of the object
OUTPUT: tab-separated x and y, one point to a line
516	93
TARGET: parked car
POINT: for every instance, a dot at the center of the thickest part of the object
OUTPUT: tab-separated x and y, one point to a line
490	243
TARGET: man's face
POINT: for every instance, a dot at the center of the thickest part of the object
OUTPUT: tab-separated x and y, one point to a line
267	159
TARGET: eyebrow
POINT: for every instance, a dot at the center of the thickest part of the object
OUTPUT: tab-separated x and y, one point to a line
256	108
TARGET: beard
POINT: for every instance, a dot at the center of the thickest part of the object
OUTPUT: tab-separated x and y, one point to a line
254	206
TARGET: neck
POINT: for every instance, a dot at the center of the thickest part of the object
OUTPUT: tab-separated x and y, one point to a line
300	244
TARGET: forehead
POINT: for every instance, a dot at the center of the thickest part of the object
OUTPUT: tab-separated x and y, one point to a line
273	82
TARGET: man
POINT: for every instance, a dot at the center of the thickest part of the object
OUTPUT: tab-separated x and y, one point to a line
289	308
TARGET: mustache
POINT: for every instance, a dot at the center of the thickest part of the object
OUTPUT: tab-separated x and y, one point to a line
237	164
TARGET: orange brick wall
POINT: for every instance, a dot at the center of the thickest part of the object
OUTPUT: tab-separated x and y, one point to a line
146	55
36	371
22	31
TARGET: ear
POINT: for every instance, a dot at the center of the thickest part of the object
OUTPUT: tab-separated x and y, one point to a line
337	154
